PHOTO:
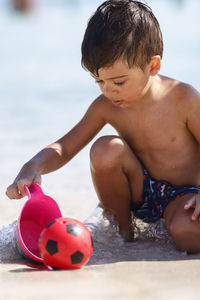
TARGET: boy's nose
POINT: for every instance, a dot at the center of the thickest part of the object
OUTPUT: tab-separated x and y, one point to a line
109	90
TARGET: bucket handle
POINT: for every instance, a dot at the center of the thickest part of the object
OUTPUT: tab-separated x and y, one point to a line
34	188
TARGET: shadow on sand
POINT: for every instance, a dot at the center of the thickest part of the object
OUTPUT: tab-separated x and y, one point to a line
141	250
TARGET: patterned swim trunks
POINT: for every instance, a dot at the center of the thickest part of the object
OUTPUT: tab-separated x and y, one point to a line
157	194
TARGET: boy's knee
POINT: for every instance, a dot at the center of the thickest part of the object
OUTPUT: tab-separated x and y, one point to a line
106	152
185	237
178	235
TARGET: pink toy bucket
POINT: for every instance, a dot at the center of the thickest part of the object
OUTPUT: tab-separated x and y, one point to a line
37	213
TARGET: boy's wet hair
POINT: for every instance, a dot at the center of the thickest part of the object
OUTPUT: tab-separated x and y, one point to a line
121	29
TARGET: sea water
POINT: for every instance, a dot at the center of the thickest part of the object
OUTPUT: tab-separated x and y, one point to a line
108	244
150	241
44	92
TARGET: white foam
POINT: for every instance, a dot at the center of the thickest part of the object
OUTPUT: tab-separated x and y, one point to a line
151	240
99	221
108	244
8	249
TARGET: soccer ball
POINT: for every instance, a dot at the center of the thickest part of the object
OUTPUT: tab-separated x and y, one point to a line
65	243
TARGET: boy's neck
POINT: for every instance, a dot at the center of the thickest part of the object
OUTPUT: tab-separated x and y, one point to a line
153	89
151	93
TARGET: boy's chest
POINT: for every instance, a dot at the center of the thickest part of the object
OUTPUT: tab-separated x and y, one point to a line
154	129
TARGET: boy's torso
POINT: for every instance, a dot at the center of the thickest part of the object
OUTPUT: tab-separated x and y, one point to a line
158	134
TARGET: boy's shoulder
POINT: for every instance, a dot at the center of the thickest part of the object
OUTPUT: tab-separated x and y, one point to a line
187	101
188	96
180	91
187	91
101	103
100	108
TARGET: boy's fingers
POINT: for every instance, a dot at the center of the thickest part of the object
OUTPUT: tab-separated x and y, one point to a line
21	184
17	191
190	203
196	213
12	192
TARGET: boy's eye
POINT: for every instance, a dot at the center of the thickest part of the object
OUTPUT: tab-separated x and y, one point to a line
119	83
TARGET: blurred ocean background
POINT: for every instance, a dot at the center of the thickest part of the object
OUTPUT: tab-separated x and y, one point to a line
44	91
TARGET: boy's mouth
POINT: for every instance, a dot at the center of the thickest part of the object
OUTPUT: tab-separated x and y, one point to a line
117	102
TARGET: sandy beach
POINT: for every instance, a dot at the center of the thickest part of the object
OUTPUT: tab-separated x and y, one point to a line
146	269
132	280
152	277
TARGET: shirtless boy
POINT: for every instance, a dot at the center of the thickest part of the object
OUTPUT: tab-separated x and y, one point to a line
152	167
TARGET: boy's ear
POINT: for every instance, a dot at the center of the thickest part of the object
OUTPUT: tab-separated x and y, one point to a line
155	65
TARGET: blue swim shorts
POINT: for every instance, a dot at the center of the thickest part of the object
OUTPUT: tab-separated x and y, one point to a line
157	194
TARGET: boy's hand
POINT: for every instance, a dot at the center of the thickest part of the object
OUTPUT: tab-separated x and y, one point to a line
194	202
26	176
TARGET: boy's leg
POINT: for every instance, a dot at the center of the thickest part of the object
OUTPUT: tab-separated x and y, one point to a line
184	231
118	179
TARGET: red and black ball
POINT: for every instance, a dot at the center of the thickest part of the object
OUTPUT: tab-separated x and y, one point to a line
65	243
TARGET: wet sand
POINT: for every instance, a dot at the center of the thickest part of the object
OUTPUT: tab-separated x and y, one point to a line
147	269
170	279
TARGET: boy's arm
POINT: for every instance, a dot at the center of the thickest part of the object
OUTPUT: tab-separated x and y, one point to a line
60	152
193	112
193	124
63	150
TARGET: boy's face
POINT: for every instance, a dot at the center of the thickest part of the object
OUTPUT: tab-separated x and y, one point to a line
122	85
